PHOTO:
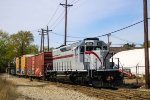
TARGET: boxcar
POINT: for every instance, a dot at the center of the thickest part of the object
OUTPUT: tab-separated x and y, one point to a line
33	62
24	64
29	66
18	65
42	65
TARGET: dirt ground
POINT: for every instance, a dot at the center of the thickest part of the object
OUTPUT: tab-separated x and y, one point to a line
34	90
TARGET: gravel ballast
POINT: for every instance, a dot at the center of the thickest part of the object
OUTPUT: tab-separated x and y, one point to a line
35	90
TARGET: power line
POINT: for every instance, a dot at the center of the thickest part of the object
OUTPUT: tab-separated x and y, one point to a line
107	33
124	44
67	35
122	28
121	39
54	14
97	36
74	1
57	23
60	16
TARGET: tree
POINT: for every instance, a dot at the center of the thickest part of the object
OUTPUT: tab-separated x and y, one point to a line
32	49
15	45
3	50
21	41
129	46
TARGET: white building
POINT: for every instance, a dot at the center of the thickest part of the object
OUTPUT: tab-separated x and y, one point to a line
132	59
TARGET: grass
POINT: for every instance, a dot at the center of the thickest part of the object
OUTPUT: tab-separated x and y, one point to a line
7	90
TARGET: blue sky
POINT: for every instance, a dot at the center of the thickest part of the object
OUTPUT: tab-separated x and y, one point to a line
86	18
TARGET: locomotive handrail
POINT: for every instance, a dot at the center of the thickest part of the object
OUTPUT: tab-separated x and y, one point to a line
126	73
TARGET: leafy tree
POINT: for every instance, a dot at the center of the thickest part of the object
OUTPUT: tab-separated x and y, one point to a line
129	46
15	45
3	50
32	49
21	41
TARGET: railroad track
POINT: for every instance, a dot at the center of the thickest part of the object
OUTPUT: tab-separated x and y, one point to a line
106	94
109	94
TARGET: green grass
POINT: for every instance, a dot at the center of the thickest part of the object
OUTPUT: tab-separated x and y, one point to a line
7	90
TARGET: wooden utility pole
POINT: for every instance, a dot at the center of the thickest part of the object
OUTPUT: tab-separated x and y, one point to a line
108	35
43	31
48	37
41	42
147	80
43	39
66	11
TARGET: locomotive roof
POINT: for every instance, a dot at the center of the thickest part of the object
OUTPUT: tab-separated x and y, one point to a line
76	44
91	38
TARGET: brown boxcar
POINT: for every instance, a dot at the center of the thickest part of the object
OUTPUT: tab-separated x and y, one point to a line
43	64
33	65
29	66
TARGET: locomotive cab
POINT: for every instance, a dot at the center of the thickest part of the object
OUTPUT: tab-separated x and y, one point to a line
96	54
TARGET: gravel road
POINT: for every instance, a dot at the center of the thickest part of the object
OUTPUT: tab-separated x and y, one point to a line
34	90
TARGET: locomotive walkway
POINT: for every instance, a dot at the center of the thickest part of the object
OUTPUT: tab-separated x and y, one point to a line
34	90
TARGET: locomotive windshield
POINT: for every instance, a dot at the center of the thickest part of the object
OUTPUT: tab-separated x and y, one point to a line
90	48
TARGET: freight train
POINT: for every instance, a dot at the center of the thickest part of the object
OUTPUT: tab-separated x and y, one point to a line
84	62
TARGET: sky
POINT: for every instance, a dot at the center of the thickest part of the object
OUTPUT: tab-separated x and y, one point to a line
86	18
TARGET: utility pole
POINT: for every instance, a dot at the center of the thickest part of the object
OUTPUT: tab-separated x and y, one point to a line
42	38
108	35
41	42
48	37
66	11
147	80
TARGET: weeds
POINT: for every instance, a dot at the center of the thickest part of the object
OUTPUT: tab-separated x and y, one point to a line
7	90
